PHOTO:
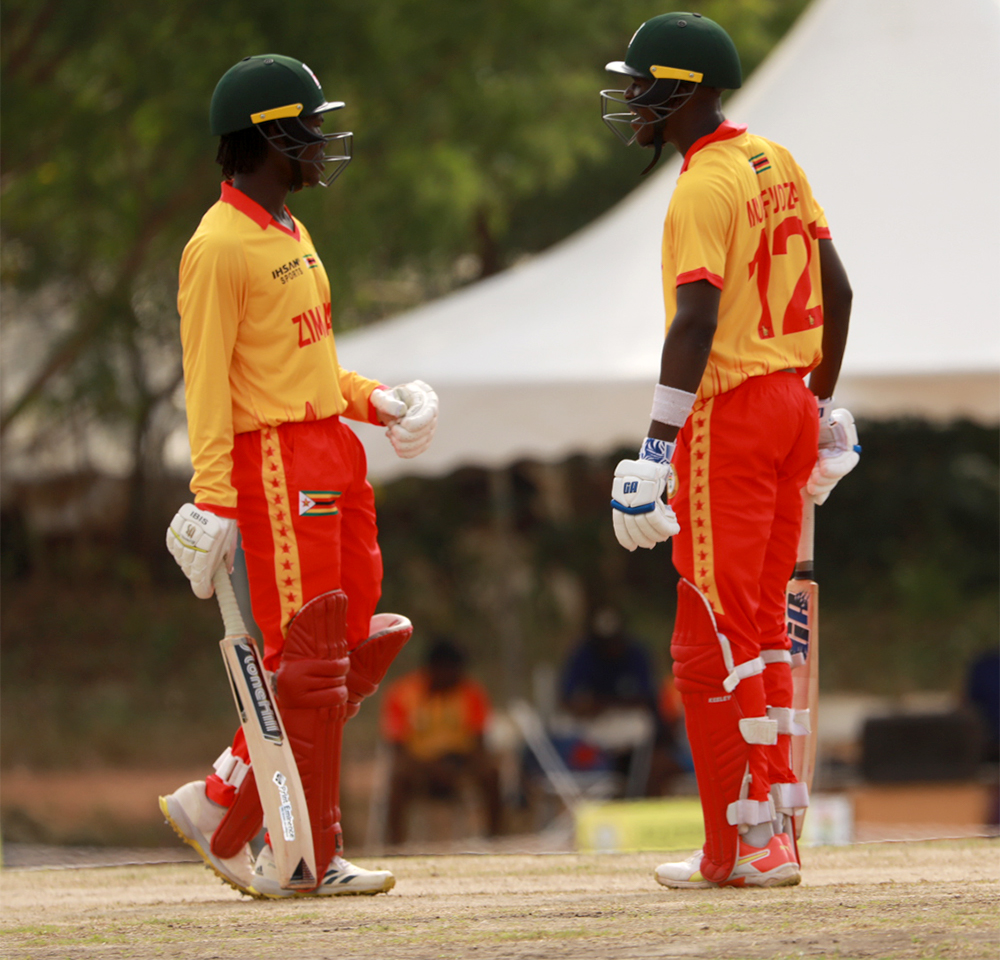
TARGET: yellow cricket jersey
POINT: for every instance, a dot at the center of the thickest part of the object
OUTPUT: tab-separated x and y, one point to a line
257	338
744	218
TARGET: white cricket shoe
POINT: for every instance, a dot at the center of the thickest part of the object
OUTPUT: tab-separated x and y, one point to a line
341	879
195	818
771	866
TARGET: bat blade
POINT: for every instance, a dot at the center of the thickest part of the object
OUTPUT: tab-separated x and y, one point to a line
802	623
282	797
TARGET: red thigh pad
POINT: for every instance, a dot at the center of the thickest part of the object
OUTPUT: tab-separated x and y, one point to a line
312	696
371	658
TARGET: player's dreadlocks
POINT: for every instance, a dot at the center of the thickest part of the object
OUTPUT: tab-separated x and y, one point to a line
241	152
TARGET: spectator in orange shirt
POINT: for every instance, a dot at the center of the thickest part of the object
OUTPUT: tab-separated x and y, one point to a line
435	718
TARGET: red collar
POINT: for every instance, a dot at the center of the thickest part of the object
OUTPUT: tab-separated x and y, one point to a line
252	209
724	131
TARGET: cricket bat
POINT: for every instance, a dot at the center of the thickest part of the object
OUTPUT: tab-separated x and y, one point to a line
802	623
281	795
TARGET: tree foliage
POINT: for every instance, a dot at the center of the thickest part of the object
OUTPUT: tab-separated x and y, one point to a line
477	139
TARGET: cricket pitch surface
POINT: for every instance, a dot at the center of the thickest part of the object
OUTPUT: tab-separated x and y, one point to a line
938	899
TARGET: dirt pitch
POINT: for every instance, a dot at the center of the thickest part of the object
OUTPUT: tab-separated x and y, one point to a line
902	900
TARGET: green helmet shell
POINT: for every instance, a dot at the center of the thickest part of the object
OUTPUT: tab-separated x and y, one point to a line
266	87
682	46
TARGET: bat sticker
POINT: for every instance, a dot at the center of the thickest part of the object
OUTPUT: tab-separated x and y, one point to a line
798	622
287	817
267	716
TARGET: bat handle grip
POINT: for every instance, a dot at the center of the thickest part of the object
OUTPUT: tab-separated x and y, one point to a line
231	615
804	565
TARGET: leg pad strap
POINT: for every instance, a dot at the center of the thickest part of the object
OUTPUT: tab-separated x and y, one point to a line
790	798
738	672
750	812
793	722
759	730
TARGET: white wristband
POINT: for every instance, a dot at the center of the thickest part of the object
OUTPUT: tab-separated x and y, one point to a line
671	406
823	408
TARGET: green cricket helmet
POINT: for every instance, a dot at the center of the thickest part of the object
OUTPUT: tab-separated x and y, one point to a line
273	93
676	51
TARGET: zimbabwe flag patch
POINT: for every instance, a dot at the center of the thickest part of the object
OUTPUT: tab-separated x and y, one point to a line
318	503
760	163
311	262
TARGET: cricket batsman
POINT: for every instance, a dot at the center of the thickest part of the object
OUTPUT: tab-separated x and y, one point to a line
273	459
756	298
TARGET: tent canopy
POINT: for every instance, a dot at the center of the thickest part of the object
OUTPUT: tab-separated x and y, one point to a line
891	110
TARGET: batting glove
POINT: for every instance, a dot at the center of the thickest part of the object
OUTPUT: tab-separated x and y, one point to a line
640	516
412	433
839	453
387	405
200	541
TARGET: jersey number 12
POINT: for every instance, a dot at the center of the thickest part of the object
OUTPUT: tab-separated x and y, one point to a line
797	316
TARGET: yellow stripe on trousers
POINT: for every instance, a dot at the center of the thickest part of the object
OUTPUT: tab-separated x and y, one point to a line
287	569
701	504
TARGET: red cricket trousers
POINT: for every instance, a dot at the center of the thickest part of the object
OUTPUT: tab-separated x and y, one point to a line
307	519
742	460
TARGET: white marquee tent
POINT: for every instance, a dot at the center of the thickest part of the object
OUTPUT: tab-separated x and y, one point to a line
892	109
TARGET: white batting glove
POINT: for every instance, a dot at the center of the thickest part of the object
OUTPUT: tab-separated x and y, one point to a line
412	432
387	405
839	453
640	516
200	541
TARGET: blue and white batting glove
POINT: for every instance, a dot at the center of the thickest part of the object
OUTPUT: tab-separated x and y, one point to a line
839	452
200	542
640	516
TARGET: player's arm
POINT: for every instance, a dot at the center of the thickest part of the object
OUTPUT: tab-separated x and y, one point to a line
837	297
202	535
640	517
838	438
688	345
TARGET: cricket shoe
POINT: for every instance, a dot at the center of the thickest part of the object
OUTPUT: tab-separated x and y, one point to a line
195	818
341	879
771	866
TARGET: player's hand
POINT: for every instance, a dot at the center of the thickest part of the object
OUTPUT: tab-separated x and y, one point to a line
412	432
640	516
200	541
839	453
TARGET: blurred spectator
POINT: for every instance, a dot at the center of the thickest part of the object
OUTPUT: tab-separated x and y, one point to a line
434	718
982	693
607	669
611	719
982	697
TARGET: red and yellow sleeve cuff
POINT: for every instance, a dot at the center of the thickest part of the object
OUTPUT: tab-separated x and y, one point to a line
692	276
228	512
372	412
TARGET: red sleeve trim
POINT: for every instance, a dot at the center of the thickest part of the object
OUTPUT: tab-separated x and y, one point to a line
819	233
252	209
724	131
228	512
701	273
